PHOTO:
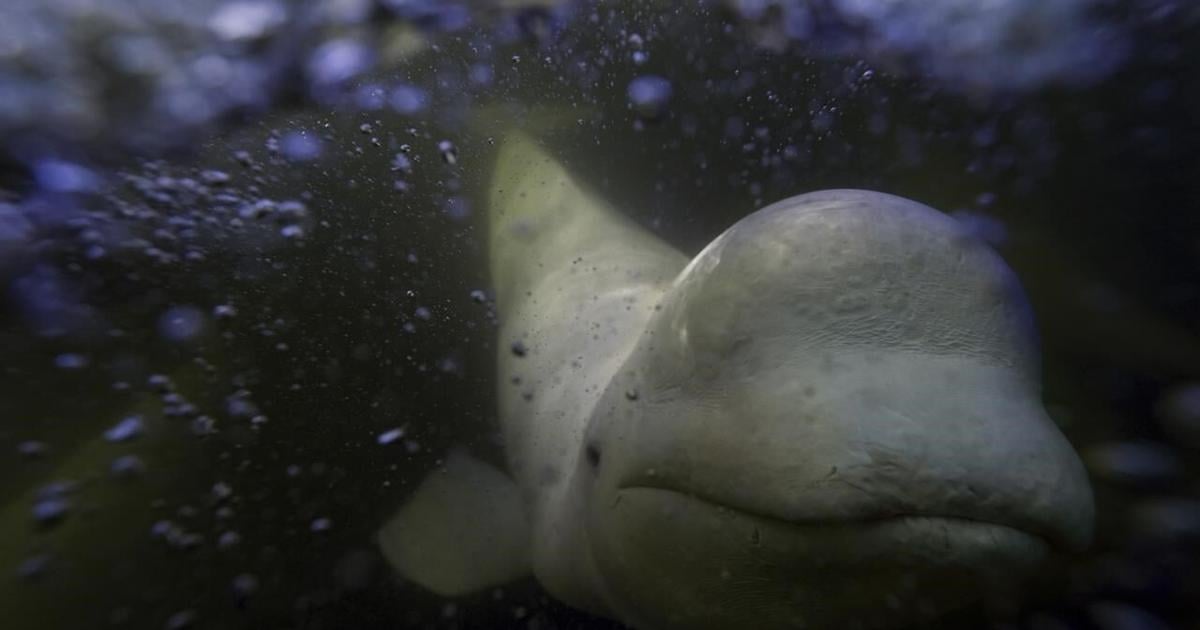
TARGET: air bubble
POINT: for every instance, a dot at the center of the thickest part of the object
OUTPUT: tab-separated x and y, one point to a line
401	163
1179	414
1136	463
457	208
649	95
31	449
62	176
300	147
71	361
391	435
221	491
160	383
244	585
203	425
126	467
228	539
291	210
408	99
247	21
181	620
33	567
336	62
51	511
449	152
181	323
129	428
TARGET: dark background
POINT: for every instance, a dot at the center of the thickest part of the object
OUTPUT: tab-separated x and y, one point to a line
1095	190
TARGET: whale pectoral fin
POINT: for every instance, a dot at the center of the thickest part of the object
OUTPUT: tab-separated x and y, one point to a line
464	529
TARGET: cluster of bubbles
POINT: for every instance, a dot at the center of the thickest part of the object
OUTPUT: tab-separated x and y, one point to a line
102	77
154	218
132	73
993	46
95	79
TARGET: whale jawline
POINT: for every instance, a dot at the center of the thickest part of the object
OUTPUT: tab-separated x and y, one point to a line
882	520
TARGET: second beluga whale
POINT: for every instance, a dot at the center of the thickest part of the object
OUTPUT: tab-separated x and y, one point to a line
830	417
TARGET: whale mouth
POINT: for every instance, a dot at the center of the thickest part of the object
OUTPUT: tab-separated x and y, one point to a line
720	563
954	529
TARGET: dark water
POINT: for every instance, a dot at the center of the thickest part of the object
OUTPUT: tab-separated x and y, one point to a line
303	350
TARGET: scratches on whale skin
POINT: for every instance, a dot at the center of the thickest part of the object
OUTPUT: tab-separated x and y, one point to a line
832	476
854	485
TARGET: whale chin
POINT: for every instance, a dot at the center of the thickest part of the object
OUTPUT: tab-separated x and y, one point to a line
679	561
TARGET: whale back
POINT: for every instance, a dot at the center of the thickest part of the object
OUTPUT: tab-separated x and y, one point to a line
575	284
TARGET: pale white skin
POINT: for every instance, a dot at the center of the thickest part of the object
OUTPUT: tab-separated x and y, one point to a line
830	417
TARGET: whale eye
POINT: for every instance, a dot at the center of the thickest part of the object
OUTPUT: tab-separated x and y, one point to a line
593	455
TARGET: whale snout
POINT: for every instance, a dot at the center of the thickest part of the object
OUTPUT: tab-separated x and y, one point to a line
837	417
878	437
923	480
848	356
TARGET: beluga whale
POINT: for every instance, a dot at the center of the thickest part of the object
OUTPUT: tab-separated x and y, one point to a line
830	417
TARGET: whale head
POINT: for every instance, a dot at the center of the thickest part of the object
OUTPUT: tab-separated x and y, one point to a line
832	419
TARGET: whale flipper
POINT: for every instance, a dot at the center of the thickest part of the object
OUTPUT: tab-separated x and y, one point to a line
463	530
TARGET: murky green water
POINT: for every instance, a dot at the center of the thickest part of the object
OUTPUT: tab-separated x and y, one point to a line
303	350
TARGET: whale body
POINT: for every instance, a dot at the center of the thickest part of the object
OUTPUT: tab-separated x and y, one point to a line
830	417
